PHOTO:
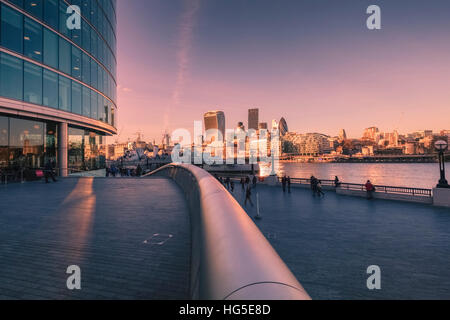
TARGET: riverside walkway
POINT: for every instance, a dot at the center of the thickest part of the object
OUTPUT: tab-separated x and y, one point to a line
130	237
328	243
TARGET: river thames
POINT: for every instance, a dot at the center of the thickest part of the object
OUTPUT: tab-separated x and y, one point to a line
416	175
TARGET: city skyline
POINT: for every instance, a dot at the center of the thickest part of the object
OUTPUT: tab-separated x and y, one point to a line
323	71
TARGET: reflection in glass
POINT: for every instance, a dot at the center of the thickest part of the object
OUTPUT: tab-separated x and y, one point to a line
86	150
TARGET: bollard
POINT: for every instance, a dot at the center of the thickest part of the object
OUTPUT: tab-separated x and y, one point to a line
258	216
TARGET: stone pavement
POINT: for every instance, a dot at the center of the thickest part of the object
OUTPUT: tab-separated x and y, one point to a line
329	243
130	237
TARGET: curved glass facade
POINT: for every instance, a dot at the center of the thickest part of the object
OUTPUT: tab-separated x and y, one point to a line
43	62
47	67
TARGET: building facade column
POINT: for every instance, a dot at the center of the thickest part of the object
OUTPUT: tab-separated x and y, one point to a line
63	137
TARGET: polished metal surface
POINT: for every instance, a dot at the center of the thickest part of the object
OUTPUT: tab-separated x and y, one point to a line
231	258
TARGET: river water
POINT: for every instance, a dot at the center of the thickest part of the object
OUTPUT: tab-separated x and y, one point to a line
417	175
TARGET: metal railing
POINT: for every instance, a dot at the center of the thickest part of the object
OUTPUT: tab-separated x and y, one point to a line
389	189
420	192
362	187
230	257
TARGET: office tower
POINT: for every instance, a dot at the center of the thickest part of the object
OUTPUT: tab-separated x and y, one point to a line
342	135
283	127
214	120
57	86
253	119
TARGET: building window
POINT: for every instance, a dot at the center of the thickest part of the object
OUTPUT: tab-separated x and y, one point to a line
32	43
76	63
65	56
51	13
86	69
26	143
12	29
50	92
32	83
34	7
94	74
11	77
94	105
86	102
64	94
50	49
76	97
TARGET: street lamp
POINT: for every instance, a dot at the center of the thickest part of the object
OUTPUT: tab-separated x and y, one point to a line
441	146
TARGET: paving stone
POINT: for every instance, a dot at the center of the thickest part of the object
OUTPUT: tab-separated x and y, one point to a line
328	243
99	225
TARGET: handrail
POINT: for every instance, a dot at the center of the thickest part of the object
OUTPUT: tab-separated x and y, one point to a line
230	258
361	187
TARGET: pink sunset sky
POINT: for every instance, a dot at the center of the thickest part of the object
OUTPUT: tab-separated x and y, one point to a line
313	63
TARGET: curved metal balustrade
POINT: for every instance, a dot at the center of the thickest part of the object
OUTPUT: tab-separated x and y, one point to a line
230	258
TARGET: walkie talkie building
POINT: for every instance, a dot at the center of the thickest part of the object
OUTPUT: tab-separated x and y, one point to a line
57	84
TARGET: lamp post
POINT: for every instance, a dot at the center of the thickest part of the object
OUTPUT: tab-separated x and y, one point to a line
441	146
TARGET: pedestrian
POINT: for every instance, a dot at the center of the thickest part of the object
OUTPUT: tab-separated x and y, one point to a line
313	181
283	183
247	180
227	182
319	189
243	184
254	181
289	184
370	189
139	170
337	183
248	196
48	171
232	185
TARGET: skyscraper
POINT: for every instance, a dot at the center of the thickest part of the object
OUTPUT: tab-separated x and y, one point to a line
263	126
57	85
283	127
253	119
214	120
342	135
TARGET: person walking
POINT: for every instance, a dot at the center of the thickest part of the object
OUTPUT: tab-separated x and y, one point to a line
289	184
370	189
319	189
243	184
254	181
232	185
248	196
48	171
283	183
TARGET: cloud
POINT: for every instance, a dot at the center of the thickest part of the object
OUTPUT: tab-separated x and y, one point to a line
123	89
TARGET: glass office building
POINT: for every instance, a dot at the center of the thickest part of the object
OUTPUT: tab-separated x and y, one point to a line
57	85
